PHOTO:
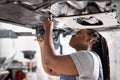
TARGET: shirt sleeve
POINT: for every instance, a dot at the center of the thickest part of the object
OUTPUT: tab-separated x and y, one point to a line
84	63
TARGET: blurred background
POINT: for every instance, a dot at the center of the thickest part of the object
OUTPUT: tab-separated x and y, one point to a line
21	22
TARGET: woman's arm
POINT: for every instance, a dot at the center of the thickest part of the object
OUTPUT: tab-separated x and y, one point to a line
47	70
60	64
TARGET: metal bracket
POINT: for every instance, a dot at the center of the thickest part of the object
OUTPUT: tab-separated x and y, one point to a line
116	6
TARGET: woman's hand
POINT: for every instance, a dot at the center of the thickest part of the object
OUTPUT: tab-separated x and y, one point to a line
48	24
40	40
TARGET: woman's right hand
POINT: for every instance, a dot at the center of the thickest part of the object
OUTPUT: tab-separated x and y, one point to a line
48	24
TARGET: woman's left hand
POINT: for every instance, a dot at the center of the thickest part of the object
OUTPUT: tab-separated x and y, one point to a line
40	40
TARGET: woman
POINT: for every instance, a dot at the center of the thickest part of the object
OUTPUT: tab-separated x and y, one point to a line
85	64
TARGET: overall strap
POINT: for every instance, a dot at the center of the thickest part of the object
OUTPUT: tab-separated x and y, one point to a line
67	77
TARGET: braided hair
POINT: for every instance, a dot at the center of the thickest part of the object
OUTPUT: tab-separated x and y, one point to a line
100	47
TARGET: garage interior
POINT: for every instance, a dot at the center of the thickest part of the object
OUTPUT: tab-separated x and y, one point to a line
21	21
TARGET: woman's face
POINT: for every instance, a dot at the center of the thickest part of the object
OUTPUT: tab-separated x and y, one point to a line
79	40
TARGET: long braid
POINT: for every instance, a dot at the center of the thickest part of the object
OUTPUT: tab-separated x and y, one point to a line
101	48
106	65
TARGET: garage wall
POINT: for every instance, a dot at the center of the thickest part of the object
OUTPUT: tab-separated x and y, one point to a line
117	51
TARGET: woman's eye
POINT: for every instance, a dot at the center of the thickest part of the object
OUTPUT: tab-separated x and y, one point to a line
79	33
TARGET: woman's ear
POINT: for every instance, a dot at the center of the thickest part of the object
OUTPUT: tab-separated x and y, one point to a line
89	39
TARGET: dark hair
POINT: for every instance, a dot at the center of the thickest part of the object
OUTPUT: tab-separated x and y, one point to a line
100	47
